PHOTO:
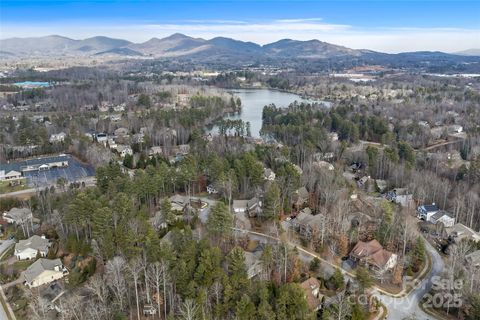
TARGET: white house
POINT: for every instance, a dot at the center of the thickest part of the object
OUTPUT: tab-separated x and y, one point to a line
10	175
58	137
426	211
44	271
124	150
252	207
29	248
444	217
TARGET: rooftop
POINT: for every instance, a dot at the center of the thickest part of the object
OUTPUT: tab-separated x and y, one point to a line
41	265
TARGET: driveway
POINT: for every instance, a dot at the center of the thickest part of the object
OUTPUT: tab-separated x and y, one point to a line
203	215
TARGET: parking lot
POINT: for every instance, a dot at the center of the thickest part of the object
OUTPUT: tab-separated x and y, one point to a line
41	178
73	172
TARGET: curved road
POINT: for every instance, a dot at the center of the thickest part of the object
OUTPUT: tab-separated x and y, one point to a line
401	308
398	307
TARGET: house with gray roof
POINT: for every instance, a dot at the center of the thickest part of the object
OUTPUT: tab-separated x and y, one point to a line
29	248
44	271
444	217
18	215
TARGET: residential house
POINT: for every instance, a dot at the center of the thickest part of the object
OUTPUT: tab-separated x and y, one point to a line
444	217
124	150
315	299
179	202
426	211
101	137
400	196
59	137
252	207
18	215
268	174
306	224
154	151
44	271
301	197
373	255
29	248
458	232
10	175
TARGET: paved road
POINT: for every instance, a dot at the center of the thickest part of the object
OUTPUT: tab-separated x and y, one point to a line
4	245
89	182
400	308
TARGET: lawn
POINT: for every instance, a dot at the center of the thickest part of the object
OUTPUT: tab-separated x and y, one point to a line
5	186
20	266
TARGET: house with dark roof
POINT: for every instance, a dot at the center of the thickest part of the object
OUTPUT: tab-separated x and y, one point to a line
426	211
374	256
444	217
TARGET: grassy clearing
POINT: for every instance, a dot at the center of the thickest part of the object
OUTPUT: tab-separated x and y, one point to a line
5	186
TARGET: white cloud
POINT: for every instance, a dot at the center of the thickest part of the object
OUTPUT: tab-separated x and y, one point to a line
380	39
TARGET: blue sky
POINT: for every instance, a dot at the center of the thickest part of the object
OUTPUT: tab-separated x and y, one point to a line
390	26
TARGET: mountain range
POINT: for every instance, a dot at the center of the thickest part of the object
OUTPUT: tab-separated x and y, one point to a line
311	54
176	45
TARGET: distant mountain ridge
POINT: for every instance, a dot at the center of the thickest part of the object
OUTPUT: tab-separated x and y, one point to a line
175	45
223	51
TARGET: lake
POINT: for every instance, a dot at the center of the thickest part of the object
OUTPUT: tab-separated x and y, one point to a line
253	101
